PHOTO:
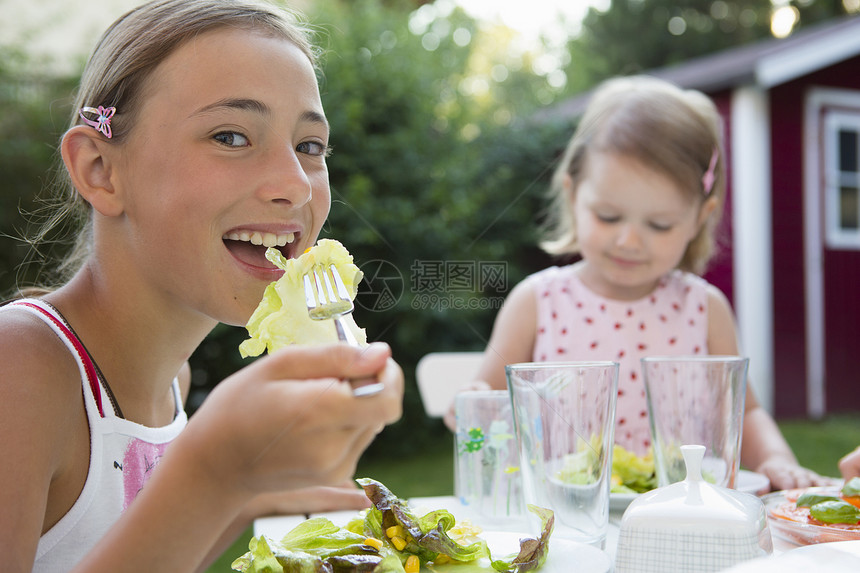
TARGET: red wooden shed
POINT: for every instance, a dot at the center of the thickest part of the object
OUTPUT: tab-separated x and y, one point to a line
791	266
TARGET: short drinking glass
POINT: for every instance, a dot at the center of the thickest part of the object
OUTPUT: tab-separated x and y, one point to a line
487	463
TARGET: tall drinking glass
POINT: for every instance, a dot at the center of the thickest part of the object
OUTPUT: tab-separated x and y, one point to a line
564	414
696	400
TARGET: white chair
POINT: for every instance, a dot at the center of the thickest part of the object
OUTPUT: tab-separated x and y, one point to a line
440	375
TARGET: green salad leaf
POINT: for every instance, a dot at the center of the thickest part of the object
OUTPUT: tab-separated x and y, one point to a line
318	545
632	473
259	559
809	499
533	552
851	487
427	536
281	318
320	536
835	512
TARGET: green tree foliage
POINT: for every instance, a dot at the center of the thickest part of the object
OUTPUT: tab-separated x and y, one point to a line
633	36
814	11
637	35
32	115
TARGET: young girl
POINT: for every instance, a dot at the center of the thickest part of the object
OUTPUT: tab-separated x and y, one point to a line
196	121
638	196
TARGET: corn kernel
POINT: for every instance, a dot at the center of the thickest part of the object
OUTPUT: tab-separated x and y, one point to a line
441	559
373	542
395	531
413	565
398	542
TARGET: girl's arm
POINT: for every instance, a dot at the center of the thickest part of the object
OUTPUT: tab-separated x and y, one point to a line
316	499
45	437
763	448
289	502
511	341
286	421
513	336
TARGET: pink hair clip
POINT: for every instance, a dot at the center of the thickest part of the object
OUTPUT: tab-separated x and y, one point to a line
709	176
102	123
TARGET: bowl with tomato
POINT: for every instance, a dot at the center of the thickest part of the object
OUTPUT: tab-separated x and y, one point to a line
815	514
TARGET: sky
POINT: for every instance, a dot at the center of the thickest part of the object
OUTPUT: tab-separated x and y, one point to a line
531	18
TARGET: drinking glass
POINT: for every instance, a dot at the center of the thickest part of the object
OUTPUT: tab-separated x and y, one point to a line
487	469
564	414
696	400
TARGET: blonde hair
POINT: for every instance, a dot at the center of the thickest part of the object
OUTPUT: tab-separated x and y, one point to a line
673	131
116	74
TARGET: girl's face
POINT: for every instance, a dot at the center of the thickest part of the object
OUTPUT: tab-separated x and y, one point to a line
228	151
633	225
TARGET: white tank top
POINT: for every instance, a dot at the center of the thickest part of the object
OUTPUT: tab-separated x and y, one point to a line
123	455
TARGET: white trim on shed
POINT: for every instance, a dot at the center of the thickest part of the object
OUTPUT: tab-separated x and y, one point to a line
753	253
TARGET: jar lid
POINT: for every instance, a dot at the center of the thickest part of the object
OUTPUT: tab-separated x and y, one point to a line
696	501
717	526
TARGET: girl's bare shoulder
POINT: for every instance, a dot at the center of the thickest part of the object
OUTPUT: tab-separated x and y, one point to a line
521	302
36	365
722	333
719	306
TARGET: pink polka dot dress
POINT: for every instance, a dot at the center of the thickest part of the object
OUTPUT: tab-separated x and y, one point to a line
573	324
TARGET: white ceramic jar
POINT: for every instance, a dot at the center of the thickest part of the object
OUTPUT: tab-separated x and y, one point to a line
691	526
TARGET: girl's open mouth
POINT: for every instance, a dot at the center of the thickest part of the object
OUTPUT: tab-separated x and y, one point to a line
250	247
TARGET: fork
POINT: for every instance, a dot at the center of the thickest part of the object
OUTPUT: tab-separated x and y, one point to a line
328	299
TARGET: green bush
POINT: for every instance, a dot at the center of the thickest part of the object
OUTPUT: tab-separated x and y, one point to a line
34	111
424	180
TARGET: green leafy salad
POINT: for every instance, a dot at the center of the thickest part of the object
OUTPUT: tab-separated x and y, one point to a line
281	318
390	538
632	473
832	508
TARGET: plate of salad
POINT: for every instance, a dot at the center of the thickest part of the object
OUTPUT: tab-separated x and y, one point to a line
391	538
815	514
633	475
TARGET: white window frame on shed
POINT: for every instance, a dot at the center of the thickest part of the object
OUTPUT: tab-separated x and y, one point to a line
826	111
839	181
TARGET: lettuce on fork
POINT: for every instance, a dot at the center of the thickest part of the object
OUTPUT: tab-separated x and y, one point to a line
282	318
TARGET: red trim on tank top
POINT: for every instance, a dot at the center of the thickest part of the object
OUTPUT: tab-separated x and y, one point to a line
92	378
